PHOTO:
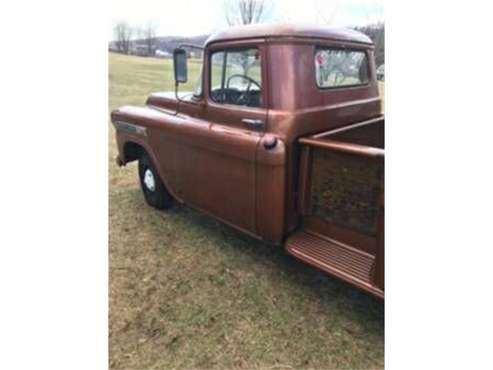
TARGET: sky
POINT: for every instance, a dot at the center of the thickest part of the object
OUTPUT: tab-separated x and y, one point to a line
198	17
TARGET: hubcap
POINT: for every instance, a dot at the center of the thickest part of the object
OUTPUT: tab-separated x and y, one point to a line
149	180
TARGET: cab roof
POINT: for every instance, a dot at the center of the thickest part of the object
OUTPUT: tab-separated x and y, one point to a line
288	30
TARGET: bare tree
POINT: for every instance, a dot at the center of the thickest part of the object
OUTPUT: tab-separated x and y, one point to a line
374	28
149	34
123	36
239	12
326	11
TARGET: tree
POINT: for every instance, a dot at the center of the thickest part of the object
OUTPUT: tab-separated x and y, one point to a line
374	28
240	12
326	11
376	32
123	36
149	34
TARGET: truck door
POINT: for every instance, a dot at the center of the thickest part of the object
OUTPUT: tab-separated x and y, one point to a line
219	176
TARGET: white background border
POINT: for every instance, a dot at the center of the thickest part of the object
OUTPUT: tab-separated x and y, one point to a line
54	205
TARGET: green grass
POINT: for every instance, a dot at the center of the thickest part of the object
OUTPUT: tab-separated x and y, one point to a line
188	292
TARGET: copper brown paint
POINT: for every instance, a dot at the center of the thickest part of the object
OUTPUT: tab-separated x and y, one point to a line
210	160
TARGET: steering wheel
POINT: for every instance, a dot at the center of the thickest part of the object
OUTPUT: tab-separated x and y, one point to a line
245	95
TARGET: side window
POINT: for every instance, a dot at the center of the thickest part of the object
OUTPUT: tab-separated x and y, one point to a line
236	77
217	61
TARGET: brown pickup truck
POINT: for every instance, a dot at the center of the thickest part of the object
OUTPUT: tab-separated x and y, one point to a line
283	139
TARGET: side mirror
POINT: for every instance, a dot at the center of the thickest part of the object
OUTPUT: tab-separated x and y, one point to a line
180	63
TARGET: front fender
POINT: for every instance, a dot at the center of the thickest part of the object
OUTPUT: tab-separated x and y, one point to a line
134	125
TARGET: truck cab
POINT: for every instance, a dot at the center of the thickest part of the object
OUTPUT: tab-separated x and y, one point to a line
283	139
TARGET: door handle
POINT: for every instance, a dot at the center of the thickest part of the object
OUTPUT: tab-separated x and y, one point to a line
255	123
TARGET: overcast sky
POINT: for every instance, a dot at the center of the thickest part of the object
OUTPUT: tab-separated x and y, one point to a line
197	17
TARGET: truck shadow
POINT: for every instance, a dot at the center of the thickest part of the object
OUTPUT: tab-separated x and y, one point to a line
330	292
358	313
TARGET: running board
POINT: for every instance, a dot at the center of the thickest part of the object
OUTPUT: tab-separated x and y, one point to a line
345	262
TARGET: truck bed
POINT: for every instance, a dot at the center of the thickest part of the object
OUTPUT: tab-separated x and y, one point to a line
342	203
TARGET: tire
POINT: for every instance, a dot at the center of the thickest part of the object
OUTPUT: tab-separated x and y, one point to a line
155	193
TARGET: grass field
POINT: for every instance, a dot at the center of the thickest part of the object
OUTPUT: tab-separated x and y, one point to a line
188	292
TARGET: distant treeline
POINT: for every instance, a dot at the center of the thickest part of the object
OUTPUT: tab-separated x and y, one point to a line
148	46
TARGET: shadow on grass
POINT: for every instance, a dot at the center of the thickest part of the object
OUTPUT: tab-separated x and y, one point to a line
246	253
353	303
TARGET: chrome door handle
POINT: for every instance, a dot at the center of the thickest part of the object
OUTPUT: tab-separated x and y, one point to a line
255	123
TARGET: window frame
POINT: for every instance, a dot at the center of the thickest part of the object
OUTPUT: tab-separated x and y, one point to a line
227	50
198	96
348	49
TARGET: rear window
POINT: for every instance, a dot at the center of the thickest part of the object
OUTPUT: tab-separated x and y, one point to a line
340	68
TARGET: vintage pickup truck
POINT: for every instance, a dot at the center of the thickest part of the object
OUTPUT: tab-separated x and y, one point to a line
283	139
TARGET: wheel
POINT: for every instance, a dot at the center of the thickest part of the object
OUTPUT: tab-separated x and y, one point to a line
155	192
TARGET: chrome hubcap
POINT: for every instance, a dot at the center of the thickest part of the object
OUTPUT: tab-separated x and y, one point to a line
149	180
